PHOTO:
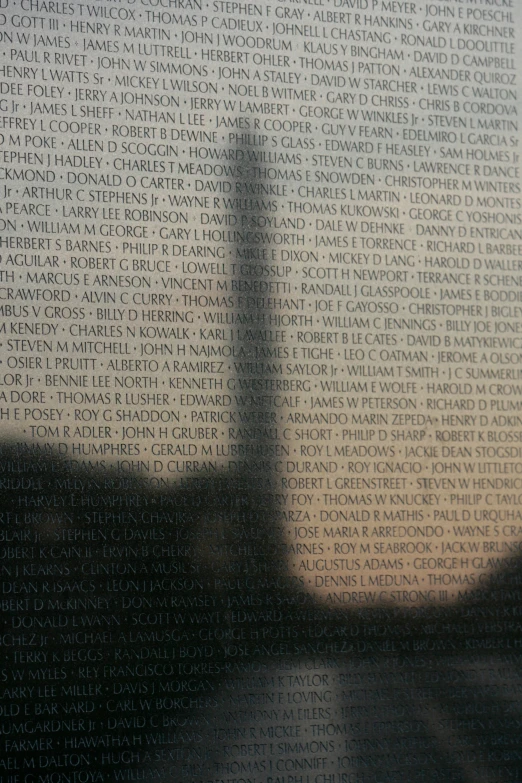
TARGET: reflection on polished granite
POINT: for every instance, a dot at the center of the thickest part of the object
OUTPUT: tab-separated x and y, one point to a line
156	635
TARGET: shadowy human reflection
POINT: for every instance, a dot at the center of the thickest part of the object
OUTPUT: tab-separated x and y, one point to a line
158	634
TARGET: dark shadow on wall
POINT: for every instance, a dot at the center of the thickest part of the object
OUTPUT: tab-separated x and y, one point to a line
128	612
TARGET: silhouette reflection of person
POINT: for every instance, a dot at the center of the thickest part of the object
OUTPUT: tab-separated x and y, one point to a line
159	635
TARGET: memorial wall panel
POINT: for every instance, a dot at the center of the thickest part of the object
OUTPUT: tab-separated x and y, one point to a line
260	375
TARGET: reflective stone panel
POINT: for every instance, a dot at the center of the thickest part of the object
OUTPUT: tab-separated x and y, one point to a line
260	372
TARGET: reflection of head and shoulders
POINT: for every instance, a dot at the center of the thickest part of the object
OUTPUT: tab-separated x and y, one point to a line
176	608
